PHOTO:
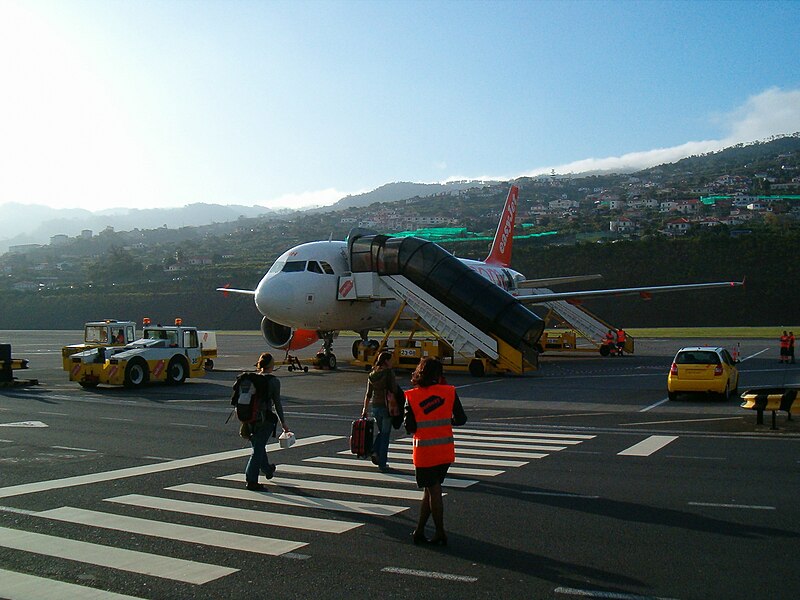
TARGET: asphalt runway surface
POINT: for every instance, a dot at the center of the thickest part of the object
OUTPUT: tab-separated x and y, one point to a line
578	480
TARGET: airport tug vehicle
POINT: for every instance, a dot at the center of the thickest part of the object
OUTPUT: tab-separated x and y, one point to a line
167	354
100	334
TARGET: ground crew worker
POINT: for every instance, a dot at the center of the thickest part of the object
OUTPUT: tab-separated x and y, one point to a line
608	342
784	340
620	340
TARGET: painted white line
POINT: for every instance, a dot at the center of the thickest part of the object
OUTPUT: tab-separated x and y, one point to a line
563	495
462	460
7	441
120	419
70	448
682	421
340	488
132	561
429	574
519	434
173	531
364	508
54	414
25	424
190	425
158	458
484	452
605	595
746	506
355	462
19	511
462	438
657	404
372	476
236	514
19	586
753	355
489	445
181	463
648	446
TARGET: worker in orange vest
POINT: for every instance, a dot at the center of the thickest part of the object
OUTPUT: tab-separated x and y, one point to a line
784	348
432	408
620	340
608	341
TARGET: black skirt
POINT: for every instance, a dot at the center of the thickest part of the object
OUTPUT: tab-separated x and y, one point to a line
430	476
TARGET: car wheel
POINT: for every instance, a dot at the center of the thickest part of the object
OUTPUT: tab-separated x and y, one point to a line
176	371
476	368
672	395
136	373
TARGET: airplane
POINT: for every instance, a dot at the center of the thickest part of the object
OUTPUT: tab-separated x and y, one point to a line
303	300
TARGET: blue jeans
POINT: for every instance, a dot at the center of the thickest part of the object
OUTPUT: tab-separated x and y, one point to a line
381	445
258	461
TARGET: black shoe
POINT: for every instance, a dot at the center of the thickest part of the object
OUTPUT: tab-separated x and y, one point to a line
418	538
271	471
254	486
438	540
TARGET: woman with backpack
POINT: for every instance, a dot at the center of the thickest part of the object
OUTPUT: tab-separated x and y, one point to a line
381	390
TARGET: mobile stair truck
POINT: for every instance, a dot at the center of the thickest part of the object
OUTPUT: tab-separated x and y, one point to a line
167	354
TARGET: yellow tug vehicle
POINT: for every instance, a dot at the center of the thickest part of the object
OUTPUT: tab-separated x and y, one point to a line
167	354
100	334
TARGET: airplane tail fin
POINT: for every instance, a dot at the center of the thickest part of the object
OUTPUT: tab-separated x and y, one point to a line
500	253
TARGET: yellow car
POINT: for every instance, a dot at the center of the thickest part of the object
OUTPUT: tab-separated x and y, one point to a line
703	369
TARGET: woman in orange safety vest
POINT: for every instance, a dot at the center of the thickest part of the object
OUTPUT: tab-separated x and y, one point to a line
432	408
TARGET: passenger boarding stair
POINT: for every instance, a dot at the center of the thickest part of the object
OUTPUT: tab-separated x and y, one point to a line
474	315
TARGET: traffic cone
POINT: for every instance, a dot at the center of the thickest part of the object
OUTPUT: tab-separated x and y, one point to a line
736	353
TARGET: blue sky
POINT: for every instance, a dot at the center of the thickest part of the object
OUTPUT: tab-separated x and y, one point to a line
163	103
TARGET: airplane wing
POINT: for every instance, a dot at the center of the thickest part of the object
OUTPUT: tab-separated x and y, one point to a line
535	283
235	291
545	295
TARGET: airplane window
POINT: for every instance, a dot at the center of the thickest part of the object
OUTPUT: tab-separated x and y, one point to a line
314	267
277	266
293	266
326	267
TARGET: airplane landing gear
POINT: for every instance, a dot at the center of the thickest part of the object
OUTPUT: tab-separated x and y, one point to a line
325	358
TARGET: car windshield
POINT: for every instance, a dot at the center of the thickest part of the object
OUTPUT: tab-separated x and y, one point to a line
697	357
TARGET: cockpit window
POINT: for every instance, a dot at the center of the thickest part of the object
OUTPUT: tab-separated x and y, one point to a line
326	267
293	266
277	266
314	267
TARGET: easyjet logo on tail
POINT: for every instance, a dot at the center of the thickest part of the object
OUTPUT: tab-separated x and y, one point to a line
500	254
508	223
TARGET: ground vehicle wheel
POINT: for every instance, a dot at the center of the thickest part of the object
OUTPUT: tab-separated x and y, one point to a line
356	348
88	384
208	365
476	368
331	361
136	373
727	393
672	395
176	371
305	369
604	350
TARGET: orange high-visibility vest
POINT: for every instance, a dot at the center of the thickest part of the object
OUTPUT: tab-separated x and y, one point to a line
433	408
620	335
784	341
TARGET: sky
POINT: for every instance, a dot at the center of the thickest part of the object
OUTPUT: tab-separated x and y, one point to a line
160	103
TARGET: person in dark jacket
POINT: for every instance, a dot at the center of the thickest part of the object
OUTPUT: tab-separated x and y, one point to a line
380	382
269	388
432	408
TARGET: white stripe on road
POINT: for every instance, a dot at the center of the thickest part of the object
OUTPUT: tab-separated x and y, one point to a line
132	561
747	506
173	531
70	448
236	514
471	444
370	475
520	434
504	453
364	508
605	595
19	586
355	462
563	495
656	405
181	463
460	460
340	488
648	446
462	439
430	574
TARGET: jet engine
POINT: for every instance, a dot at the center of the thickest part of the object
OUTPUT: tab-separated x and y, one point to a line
282	337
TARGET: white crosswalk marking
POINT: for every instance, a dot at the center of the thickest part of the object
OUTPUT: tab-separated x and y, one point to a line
461	450
483	444
463	439
374	476
329	486
355	462
236	514
19	586
173	531
117	558
364	508
460	460
519	434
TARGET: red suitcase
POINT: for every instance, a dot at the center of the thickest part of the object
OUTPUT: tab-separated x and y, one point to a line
361	437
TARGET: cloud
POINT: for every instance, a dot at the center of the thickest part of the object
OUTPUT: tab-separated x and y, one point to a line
772	112
305	199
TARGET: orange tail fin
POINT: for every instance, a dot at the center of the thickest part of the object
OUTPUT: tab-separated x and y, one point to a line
500	253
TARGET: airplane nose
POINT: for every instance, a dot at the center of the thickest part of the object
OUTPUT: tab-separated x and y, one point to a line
275	298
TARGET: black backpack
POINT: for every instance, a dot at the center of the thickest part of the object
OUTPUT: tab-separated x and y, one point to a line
249	398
